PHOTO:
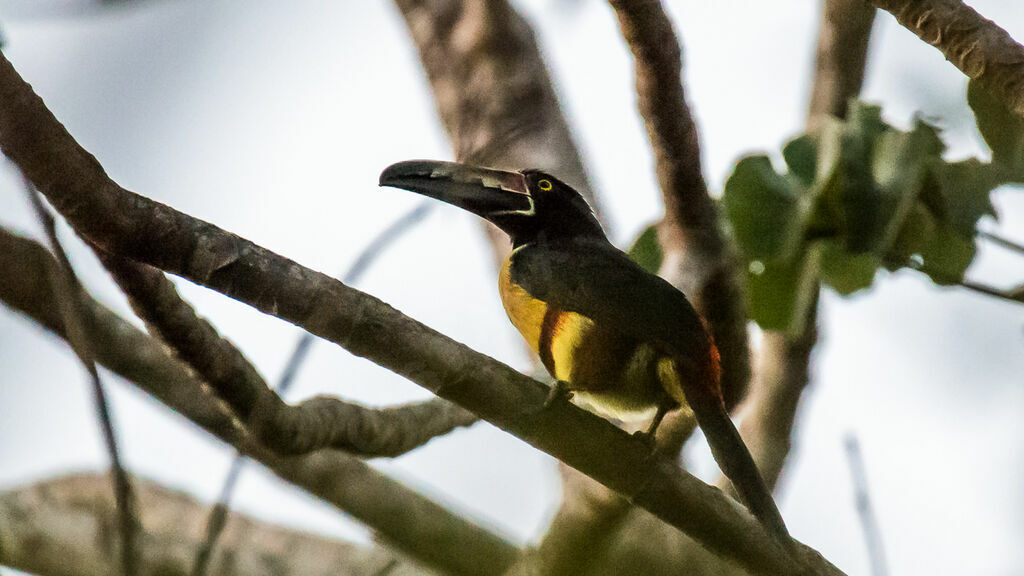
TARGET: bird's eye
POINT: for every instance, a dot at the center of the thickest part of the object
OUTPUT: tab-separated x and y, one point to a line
544	185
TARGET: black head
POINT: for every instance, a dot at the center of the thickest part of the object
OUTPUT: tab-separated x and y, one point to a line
529	206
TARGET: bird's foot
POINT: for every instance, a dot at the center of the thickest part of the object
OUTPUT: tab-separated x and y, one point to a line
647	437
559	393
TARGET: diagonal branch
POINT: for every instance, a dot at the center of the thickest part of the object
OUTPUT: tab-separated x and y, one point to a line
402	517
310	425
698	259
59	527
68	295
977	46
119	221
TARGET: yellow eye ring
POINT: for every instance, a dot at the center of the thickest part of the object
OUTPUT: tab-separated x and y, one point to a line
544	185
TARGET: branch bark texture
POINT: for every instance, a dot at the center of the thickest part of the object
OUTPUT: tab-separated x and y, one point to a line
135	227
492	88
977	46
64	527
310	425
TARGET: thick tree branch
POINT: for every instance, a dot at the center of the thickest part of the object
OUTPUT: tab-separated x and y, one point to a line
977	46
492	89
68	295
310	425
61	527
698	259
118	221
402	517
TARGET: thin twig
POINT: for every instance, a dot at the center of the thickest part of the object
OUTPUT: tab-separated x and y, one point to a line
865	511
219	513
66	291
1015	295
1004	242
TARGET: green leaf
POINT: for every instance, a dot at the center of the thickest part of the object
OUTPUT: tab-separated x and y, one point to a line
801	156
1002	130
845	272
961	194
646	250
778	292
946	257
762	206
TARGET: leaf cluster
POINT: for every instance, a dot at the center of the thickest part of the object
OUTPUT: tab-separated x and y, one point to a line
859	195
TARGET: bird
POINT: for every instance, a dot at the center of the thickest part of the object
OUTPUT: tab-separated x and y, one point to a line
623	340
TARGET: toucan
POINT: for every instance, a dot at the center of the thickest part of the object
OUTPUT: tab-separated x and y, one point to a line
624	340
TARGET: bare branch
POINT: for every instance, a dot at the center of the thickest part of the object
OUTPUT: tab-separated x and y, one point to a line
698	259
136	227
783	359
840	59
492	89
868	522
978	47
67	293
404	518
60	527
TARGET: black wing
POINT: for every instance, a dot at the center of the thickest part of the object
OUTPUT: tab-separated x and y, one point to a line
595	279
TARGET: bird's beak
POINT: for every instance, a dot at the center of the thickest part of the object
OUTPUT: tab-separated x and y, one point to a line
485	192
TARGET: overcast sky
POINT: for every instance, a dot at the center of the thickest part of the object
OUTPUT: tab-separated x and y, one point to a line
274	120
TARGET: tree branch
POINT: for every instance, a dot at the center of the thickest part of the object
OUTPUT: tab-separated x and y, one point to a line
68	294
61	527
492	89
783	360
138	228
862	496
698	259
403	518
978	47
317	423
218	514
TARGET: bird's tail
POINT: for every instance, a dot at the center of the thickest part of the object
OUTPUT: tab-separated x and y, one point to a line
736	463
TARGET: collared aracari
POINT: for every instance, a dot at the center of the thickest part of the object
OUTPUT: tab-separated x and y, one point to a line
626	341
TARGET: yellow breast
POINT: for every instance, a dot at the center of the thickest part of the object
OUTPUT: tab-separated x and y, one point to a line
553	334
